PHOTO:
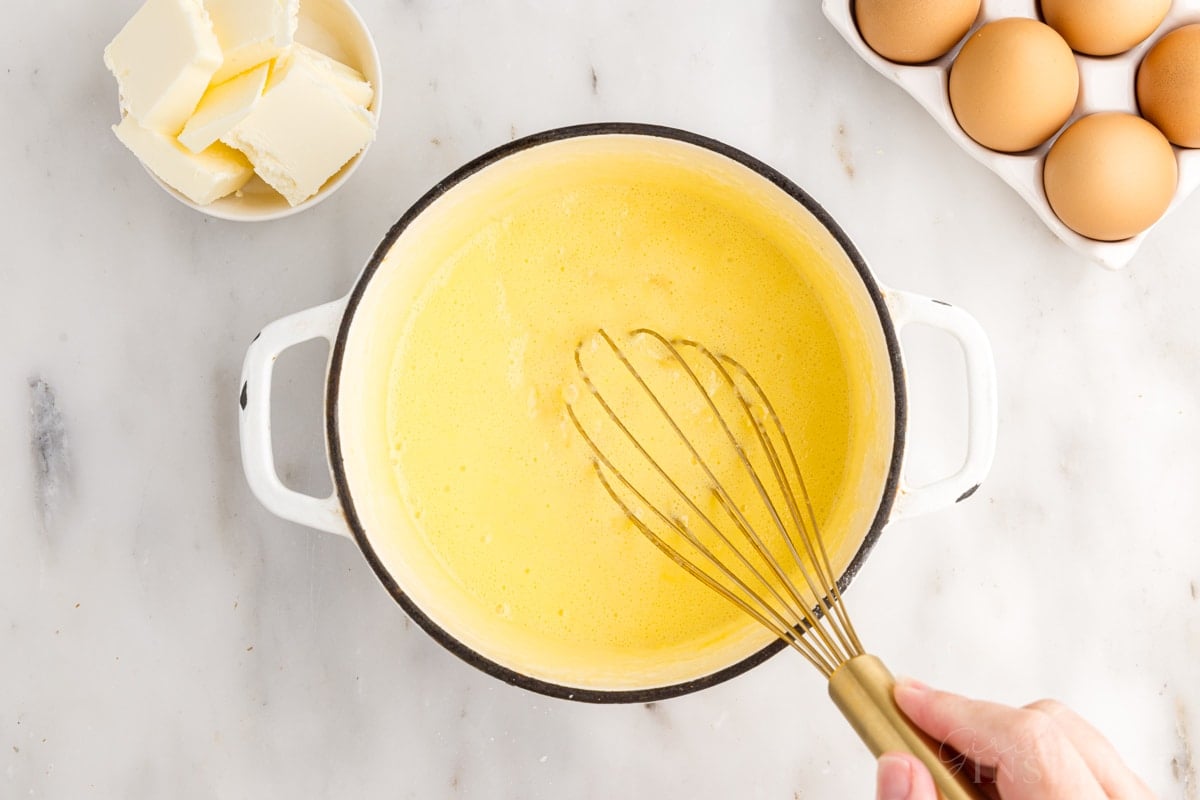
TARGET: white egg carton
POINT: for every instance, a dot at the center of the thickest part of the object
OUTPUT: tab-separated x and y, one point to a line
1106	84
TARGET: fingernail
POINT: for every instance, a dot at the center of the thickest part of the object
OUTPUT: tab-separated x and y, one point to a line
914	683
895	778
911	686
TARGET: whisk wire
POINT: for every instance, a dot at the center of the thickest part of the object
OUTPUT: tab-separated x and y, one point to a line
827	583
783	630
723	495
823	647
780	626
633	439
830	597
792	619
823	563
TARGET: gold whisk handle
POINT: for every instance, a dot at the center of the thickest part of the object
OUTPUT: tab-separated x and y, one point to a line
862	689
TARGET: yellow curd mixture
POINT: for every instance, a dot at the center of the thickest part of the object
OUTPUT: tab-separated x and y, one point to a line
498	484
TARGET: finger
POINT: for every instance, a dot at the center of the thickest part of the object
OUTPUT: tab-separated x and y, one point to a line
923	783
1097	752
902	777
977	729
1033	758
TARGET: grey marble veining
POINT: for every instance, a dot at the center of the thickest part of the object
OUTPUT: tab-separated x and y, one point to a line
51	456
161	635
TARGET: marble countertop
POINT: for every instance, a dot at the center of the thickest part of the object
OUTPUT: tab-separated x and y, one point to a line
162	635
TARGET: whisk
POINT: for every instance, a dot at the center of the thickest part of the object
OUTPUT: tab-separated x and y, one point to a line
697	458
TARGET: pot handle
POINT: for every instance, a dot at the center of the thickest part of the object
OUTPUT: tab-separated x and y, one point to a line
907	309
258	459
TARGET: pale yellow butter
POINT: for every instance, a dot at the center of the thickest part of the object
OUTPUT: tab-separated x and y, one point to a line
201	177
251	32
302	131
222	107
354	85
164	59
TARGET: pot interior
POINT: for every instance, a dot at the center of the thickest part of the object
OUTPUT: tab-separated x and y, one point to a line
468	488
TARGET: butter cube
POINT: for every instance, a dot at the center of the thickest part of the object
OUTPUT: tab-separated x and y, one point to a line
302	132
251	32
358	89
201	177
164	59
222	107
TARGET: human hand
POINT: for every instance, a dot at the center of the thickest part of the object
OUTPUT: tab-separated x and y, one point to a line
1043	751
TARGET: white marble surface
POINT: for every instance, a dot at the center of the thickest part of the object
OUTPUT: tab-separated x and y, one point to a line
161	635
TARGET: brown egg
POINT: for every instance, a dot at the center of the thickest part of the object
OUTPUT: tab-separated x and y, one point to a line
1168	85
914	31
1110	176
1104	27
1013	84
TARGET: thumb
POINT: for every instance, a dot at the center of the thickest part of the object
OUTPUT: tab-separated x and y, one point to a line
902	777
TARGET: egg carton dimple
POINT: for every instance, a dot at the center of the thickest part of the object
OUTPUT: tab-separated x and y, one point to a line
1105	84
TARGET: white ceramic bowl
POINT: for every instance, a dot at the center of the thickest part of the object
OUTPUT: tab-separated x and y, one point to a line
1106	84
334	28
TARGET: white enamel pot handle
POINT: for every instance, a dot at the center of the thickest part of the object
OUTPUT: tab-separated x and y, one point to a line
907	309
258	458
